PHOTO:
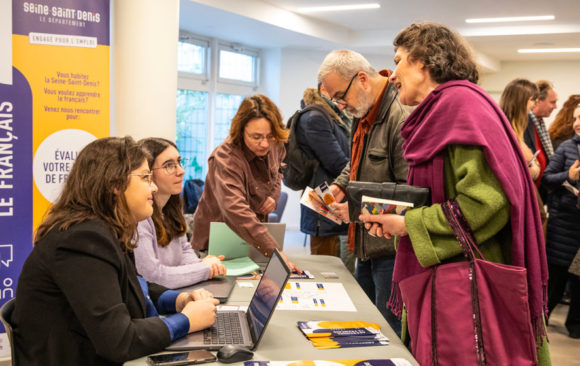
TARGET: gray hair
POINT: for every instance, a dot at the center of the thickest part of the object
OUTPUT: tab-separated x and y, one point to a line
544	87
345	63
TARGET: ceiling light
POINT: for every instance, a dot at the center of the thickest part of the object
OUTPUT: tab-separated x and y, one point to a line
548	50
510	19
317	9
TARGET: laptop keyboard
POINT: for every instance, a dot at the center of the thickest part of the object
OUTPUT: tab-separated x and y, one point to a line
226	330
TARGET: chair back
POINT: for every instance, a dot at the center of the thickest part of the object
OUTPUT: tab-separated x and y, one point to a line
6	318
276	216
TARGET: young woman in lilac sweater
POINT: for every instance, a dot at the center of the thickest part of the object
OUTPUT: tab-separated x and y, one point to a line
163	254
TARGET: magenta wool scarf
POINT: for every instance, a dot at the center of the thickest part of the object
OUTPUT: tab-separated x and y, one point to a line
461	113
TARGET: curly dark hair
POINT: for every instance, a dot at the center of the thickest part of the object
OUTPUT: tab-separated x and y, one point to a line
561	128
444	52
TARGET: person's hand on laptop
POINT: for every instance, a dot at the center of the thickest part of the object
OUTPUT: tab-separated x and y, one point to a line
216	268
201	294
201	313
186	297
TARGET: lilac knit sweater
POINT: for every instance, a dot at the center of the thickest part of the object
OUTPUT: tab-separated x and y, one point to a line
173	266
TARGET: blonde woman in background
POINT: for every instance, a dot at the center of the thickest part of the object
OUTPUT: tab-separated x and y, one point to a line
517	99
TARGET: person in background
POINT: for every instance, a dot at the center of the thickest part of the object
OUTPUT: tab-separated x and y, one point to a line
563	225
460	145
537	137
376	156
324	136
79	300
536	134
244	175
163	254
561	129
516	101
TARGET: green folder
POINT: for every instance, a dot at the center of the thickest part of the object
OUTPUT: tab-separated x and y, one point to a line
240	266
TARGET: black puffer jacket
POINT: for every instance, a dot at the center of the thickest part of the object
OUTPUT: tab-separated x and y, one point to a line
564	221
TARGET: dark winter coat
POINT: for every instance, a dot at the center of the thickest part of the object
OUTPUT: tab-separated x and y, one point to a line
324	137
563	237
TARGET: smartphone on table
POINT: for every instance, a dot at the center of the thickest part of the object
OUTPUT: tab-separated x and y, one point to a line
181	358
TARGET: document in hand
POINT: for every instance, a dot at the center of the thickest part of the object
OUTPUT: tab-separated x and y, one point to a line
330	334
376	206
239	266
322	209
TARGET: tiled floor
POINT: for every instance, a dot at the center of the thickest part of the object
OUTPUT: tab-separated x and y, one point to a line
564	350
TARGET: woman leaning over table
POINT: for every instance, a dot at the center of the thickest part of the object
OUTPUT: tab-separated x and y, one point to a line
244	175
163	254
79	300
460	145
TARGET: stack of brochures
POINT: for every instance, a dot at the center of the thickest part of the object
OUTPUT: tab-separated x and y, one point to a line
330	334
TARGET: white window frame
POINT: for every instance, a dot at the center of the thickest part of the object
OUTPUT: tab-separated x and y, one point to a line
237	48
187	37
211	83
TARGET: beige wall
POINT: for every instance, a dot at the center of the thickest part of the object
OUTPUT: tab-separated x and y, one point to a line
144	67
564	74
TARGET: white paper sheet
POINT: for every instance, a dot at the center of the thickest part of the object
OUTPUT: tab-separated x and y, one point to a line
322	296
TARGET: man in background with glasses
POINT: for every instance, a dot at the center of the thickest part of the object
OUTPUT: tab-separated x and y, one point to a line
376	156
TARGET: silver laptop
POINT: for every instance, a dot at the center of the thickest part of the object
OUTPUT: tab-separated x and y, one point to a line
224	241
220	287
251	323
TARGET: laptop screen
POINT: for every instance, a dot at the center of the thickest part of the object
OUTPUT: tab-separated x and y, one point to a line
266	295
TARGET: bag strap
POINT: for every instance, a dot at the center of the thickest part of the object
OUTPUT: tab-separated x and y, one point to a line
461	229
467	241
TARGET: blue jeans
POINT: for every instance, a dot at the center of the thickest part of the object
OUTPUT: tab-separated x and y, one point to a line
375	276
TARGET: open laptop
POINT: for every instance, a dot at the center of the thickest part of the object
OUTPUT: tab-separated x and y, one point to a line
252	323
220	287
224	241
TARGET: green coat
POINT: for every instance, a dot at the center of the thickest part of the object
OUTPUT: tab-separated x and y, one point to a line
470	181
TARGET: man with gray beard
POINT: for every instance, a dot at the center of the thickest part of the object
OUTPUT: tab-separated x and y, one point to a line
376	156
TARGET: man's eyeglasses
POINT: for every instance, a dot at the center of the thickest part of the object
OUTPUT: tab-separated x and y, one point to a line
258	138
171	166
341	100
146	177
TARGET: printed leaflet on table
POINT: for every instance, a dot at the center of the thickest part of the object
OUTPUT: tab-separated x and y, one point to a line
322	296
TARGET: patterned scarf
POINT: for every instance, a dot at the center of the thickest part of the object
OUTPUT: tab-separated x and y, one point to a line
543	134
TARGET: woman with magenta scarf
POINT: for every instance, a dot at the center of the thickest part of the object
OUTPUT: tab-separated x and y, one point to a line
459	144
